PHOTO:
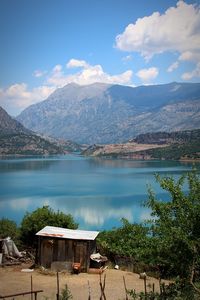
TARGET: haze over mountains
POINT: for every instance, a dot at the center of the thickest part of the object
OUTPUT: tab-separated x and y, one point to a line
102	113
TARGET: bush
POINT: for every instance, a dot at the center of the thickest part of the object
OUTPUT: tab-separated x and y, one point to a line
8	228
41	217
129	240
179	290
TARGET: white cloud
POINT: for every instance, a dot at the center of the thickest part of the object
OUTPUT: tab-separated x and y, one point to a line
56	77
17	97
147	75
175	30
186	56
39	73
18	90
173	67
75	63
57	69
192	74
87	75
190	56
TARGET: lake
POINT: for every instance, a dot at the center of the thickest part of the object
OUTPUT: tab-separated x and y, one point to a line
97	192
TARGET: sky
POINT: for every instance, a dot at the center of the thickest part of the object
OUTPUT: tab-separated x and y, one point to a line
46	44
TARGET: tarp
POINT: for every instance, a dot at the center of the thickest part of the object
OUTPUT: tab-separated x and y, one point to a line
98	257
9	248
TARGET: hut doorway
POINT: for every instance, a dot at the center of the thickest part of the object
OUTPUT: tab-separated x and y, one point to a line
80	255
47	250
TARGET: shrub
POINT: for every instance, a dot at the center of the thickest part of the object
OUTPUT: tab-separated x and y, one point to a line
41	217
8	228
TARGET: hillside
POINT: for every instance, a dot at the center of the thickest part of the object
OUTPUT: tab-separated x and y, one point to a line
183	145
27	144
103	114
10	126
15	139
118	150
168	137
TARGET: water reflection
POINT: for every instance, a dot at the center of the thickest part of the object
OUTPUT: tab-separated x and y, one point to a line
97	192
88	212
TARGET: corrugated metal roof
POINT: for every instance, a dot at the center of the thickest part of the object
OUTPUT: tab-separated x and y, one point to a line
65	233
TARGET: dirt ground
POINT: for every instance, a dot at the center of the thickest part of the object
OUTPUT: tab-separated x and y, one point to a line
13	280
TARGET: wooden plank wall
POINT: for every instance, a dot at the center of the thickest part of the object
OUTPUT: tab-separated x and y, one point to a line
65	250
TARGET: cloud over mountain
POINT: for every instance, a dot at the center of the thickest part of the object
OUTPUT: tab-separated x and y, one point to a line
147	75
18	96
87	74
172	31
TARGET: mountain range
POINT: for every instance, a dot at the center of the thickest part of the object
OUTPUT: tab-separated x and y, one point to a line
103	113
15	139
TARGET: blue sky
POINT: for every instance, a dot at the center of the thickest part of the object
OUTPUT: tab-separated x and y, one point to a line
46	44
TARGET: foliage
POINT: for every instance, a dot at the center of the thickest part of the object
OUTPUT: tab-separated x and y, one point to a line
183	144
141	296
179	290
175	227
129	240
27	144
171	243
66	294
41	217
176	151
163	137
8	228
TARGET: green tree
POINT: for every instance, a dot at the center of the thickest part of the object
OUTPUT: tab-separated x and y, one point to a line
8	228
176	227
129	240
41	217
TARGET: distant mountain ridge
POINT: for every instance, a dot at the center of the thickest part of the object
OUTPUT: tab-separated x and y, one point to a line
15	139
103	113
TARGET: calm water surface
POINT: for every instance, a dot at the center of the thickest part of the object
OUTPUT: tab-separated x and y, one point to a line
97	192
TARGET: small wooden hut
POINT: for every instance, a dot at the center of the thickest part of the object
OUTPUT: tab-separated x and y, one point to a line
63	248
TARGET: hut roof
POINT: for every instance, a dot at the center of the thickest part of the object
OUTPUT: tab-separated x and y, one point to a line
65	233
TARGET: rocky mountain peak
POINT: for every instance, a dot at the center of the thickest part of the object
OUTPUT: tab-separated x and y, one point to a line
105	113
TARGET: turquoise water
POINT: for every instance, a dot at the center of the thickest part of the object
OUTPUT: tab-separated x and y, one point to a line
97	192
